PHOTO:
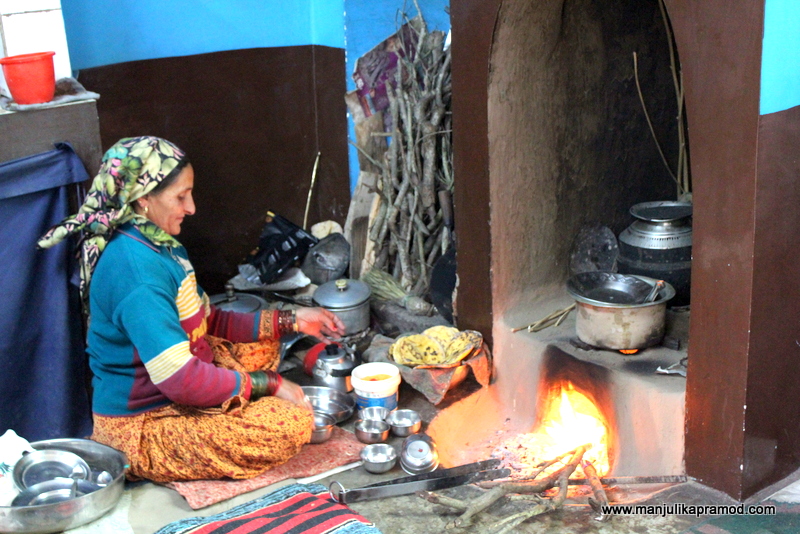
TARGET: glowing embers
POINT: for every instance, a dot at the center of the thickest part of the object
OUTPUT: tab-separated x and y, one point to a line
568	420
629	352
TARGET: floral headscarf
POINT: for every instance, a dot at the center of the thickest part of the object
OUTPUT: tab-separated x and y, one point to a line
131	168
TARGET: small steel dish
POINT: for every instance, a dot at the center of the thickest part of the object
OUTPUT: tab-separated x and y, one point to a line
371	431
72	513
323	427
419	454
378	457
374	413
36	467
404	422
53	491
331	401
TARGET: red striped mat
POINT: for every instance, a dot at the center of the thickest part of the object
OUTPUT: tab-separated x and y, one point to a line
294	509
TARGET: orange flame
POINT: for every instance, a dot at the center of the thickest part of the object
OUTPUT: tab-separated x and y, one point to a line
572	420
629	351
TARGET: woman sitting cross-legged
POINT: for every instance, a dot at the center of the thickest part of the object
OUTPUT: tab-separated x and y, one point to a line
185	390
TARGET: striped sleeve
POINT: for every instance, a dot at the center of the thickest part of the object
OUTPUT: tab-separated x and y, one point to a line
168	362
150	317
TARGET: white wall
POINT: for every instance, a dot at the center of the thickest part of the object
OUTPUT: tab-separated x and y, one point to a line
28	26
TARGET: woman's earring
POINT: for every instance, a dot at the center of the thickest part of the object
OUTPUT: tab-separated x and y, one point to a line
145	209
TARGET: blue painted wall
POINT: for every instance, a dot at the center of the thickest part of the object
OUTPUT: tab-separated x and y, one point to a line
780	60
104	32
368	23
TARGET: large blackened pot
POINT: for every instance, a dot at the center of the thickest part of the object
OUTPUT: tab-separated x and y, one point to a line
658	244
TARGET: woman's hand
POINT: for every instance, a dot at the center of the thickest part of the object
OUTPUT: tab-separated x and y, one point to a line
293	393
320	323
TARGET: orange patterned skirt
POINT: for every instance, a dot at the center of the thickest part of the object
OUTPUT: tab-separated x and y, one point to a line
240	439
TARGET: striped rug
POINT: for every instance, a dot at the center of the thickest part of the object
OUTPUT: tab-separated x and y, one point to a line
294	509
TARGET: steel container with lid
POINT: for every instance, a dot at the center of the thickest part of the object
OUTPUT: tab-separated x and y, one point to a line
347	298
658	244
238	302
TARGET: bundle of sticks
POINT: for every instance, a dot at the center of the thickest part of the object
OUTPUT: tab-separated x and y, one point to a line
411	226
528	490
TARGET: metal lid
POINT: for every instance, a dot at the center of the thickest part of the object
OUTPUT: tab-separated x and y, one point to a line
333	353
342	293
238	302
418	454
662	211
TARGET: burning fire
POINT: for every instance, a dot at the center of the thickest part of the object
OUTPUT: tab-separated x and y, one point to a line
629	351
573	420
570	419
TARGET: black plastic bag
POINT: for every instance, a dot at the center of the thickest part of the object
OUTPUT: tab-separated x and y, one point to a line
280	245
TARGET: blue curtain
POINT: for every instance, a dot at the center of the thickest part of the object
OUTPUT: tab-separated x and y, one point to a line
43	391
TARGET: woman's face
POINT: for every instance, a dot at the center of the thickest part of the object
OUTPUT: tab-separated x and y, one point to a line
168	208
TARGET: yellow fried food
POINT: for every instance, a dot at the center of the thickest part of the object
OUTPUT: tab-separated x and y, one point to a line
436	346
416	349
443	334
462	346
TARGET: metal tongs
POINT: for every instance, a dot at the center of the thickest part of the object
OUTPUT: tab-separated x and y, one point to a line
435	480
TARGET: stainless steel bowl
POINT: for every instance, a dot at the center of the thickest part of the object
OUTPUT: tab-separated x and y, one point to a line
331	401
375	413
371	430
419	454
323	427
41	466
378	457
404	422
59	516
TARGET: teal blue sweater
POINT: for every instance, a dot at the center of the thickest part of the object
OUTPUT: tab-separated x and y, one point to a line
146	338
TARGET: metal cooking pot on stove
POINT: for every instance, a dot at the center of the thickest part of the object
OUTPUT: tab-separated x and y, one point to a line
238	302
615	311
347	298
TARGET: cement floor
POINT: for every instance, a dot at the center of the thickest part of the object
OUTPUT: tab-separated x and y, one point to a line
147	507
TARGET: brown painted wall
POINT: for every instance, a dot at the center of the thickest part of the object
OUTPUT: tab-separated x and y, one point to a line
472	23
720	45
772	441
252	122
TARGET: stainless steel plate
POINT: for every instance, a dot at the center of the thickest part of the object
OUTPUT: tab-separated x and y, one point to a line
54	491
44	465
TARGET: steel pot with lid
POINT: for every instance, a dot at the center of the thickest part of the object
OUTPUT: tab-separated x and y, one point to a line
238	302
347	298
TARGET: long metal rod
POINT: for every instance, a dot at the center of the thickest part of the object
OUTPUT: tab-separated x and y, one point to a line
667	479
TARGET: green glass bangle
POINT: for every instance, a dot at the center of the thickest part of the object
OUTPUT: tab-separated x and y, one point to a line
258	384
